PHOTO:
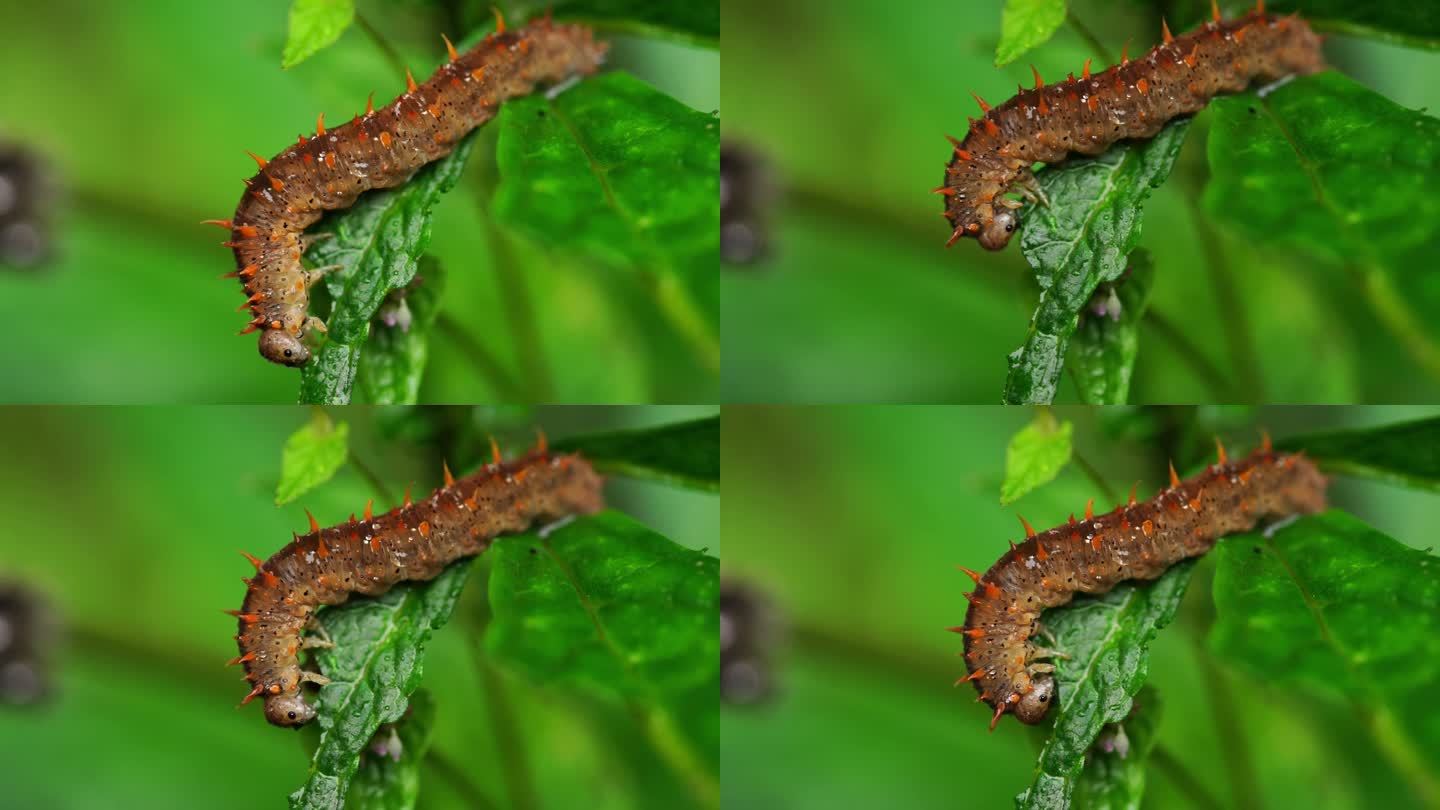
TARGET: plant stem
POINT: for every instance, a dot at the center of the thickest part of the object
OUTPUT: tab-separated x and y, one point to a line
503	385
391	55
1184	781
520	314
459	780
1089	36
1238	337
1094	476
376	485
514	764
1395	313
1220	388
678	306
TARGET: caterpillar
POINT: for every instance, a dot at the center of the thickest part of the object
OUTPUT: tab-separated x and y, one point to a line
380	149
1133	99
1133	541
370	555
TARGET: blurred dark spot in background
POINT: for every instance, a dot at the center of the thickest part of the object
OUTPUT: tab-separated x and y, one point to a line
746	193
27	197
749	636
28	632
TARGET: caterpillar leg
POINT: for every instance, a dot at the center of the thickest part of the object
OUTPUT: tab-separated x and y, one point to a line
314	324
1028	187
310	239
319	638
1045	652
313	677
314	274
1040	669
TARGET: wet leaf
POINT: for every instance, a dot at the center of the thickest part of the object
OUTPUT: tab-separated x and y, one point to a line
1108	641
1080	241
1103	356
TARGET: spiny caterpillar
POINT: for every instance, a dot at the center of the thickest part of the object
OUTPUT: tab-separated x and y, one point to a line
380	149
1134	99
369	556
1133	541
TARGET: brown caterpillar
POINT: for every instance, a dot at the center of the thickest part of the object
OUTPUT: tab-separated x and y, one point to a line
1134	541
381	149
1134	99
369	556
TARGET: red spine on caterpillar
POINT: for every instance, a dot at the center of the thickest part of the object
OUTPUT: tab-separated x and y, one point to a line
1133	541
1134	99
412	542
380	149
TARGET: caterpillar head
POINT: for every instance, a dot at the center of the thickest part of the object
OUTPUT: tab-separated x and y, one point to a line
995	235
1035	704
288	710
279	346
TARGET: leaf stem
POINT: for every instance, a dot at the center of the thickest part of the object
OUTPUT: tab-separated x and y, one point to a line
520	314
1089	36
376	485
379	40
1220	388
1184	781
510	744
503	385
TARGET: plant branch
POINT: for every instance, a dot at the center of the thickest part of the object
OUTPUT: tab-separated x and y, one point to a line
1089	36
488	366
1094	475
1220	388
1238	337
376	485
459	780
391	55
1184	781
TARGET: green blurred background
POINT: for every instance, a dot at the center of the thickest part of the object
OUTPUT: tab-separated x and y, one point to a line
861	302
142	110
129	520
851	520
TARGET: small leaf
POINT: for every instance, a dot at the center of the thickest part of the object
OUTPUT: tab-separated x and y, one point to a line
375	664
1330	606
617	171
685	454
1103	356
314	25
312	456
1407	453
390	780
394	358
1035	455
378	241
1080	241
1114	775
1027	24
1108	641
606	606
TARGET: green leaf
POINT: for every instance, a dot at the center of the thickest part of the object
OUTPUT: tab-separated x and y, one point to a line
1356	169
1407	453
606	606
374	666
315	24
394	359
1108	641
1114	775
391	780
617	171
685	454
312	456
378	241
1080	241
1330	606
1027	24
697	23
1036	454
1103	355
